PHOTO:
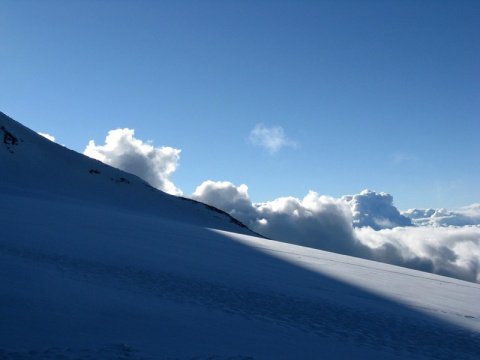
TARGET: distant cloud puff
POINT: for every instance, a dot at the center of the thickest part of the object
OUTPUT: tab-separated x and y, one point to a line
49	137
473	212
122	150
469	215
365	225
270	138
405	158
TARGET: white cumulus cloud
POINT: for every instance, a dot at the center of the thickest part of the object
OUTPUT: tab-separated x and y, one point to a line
375	210
122	150
316	221
227	197
270	138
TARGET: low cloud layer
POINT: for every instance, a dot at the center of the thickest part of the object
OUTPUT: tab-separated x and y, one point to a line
271	139
365	225
450	251
122	150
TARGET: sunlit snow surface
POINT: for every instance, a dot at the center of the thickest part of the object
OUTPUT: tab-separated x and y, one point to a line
93	267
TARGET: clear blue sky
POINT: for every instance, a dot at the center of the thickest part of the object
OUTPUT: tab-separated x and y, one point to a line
383	95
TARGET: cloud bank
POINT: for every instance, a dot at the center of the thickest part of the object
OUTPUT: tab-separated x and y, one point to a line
122	150
449	251
271	139
365	225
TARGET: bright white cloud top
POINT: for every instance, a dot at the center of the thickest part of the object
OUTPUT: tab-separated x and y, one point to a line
375	210
122	150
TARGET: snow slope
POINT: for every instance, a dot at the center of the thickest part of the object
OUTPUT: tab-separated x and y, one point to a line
36	166
96	267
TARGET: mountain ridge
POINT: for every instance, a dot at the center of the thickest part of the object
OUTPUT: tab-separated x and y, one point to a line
17	136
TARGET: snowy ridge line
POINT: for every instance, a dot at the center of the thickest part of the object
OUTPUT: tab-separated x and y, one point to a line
55	160
223	213
378	330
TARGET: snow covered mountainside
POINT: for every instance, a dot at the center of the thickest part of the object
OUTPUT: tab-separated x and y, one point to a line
96	264
43	168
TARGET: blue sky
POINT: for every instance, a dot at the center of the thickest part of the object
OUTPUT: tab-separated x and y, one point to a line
382	95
